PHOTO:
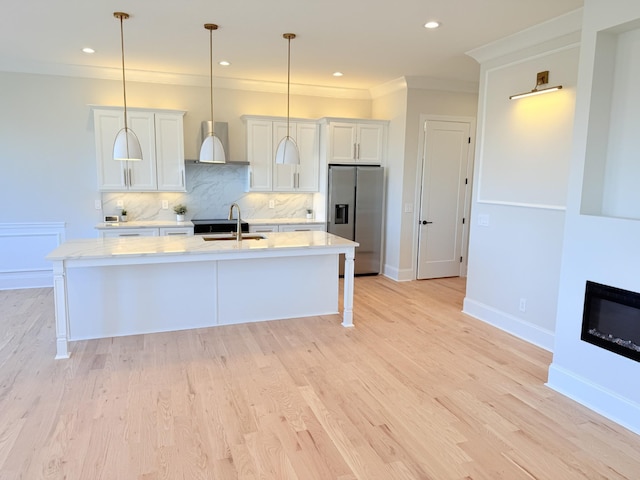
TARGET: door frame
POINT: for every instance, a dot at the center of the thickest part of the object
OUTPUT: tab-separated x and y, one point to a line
418	187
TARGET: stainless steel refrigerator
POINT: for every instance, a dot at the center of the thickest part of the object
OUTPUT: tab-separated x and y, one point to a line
355	212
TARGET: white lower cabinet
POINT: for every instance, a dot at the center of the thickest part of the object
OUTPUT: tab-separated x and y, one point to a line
116	232
129	232
304	227
288	227
263	228
168	231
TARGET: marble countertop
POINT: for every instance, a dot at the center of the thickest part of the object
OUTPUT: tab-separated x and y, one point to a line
131	247
143	224
281	221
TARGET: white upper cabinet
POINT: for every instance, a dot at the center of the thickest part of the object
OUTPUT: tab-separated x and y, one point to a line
170	152
302	177
260	155
263	137
162	143
356	141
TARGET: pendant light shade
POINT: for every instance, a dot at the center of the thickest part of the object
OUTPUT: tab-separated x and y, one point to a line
212	150
287	151
126	146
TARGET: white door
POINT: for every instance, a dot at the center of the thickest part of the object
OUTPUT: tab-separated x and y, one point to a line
444	185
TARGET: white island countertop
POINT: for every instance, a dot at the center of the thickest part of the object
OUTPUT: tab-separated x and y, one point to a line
113	248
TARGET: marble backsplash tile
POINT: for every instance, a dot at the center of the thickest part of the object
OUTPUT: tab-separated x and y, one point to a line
211	189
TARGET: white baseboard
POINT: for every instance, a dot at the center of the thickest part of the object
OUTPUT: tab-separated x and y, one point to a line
605	402
28	279
515	326
404	275
23	247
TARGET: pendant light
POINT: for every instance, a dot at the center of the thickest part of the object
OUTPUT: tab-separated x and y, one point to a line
211	150
126	147
287	151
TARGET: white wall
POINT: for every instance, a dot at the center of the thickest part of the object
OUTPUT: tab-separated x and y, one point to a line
520	180
403	107
598	246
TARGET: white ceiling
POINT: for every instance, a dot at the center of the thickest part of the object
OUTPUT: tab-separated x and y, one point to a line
371	41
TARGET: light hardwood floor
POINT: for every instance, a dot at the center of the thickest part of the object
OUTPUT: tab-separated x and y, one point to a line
416	391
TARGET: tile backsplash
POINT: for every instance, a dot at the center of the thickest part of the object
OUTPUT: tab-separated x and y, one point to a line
210	191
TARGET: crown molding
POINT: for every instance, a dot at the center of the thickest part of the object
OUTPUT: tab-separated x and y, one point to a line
396	85
142	76
562	26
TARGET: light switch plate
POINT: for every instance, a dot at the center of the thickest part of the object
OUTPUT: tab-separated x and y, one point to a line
97	204
119	203
272	204
483	220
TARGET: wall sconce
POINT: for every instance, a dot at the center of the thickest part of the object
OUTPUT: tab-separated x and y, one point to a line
541	79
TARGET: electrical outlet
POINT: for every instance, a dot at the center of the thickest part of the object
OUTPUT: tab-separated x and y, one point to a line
483	220
119	203
165	204
97	204
272	204
523	305
408	207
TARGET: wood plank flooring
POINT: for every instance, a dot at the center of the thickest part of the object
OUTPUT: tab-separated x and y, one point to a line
416	391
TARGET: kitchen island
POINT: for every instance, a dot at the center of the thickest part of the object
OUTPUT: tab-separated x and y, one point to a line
126	286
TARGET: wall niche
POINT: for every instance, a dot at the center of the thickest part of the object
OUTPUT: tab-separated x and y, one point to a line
612	163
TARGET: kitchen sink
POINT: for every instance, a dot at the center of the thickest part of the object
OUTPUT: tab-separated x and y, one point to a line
244	236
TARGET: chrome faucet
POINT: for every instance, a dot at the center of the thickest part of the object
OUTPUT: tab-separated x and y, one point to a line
239	226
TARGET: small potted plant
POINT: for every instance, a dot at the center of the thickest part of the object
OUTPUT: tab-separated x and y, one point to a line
180	211
123	215
309	213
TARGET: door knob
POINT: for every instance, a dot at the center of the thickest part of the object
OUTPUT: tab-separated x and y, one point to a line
424	222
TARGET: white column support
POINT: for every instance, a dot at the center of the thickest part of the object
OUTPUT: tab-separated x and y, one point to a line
61	309
347	313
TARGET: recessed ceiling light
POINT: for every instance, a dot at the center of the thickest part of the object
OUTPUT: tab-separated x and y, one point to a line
337	74
224	63
432	24
88	50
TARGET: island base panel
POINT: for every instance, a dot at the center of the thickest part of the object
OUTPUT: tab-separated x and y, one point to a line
133	299
277	288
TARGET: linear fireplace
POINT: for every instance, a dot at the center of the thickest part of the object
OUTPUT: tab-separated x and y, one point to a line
611	319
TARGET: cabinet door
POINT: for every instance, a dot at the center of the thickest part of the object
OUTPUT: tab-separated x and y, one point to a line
370	143
283	175
260	155
111	173
342	142
169	132
142	174
308	139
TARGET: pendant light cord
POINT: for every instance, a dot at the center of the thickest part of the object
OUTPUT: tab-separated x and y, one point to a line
124	84
288	83
211	74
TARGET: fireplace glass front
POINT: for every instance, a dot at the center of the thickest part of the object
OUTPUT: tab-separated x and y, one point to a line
611	319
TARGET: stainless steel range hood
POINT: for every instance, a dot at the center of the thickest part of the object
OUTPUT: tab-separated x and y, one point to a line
222	132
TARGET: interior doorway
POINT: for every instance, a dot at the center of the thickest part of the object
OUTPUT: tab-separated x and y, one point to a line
444	193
